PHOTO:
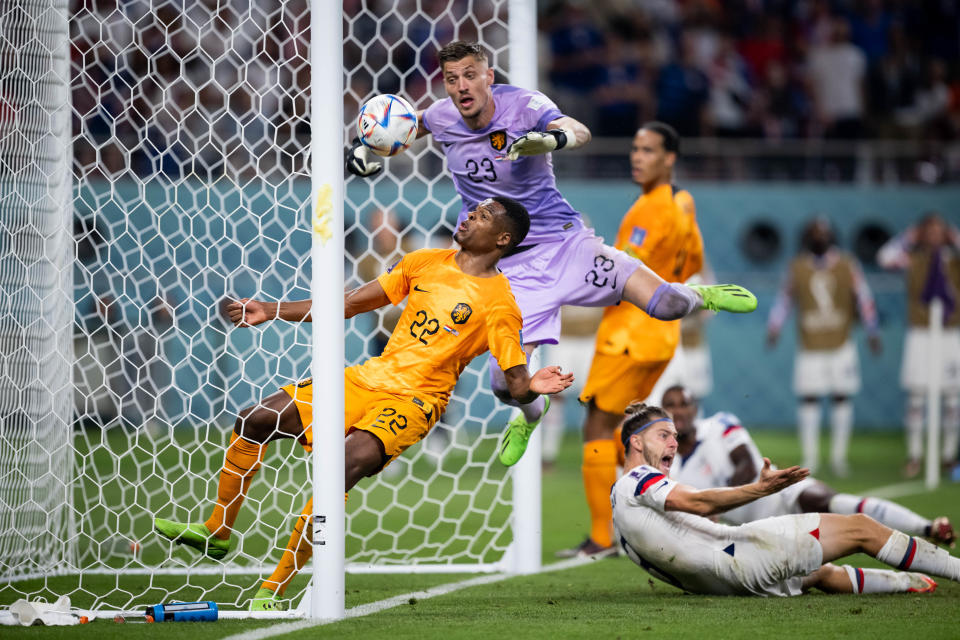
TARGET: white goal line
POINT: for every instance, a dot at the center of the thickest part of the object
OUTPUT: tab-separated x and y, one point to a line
388	603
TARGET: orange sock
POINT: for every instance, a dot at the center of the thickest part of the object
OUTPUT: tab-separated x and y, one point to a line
295	556
241	463
599	474
618	443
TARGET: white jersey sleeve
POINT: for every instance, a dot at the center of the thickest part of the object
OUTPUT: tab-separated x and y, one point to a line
652	488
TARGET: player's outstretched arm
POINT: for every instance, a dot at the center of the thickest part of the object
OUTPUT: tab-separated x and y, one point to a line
364	298
248	313
525	388
562	133
708	502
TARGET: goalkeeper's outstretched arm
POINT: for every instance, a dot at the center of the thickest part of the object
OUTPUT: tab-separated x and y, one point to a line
562	133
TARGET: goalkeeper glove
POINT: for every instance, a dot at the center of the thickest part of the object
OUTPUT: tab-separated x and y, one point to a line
358	162
534	143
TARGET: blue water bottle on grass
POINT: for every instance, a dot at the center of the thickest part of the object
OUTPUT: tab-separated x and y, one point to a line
184	612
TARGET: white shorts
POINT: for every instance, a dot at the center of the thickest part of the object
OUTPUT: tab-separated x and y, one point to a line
829	372
781	503
780	554
915	370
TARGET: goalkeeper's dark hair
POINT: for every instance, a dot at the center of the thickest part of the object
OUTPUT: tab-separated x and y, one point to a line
458	50
517	219
671	139
638	415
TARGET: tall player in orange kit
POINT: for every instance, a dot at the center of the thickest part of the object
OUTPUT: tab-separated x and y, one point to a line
460	305
632	349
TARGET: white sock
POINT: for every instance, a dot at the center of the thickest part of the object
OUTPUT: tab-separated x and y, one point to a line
841	424
808	423
552	430
915	411
905	553
883	511
951	427
877	580
533	410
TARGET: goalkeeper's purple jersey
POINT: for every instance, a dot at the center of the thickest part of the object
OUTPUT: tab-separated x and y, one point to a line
479	166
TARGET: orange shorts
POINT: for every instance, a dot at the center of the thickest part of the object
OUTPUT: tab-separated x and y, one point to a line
397	421
616	381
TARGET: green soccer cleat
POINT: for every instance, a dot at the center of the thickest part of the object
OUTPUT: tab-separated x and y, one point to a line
726	297
517	435
266	600
193	535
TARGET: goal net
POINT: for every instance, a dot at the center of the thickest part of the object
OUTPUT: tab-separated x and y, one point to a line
153	165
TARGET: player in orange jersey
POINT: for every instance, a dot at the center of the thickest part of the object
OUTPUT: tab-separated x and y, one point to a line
460	305
632	349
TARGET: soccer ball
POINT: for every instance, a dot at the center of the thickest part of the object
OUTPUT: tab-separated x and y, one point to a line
387	124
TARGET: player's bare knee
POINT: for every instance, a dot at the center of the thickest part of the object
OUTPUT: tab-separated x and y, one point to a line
864	528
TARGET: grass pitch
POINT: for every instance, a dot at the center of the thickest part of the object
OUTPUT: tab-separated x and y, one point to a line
607	598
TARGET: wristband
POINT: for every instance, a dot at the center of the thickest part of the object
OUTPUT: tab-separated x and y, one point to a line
561	137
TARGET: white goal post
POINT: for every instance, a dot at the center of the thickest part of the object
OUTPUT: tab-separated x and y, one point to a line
153	163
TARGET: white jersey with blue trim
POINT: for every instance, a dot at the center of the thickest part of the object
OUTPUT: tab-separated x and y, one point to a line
701	556
709	464
680	548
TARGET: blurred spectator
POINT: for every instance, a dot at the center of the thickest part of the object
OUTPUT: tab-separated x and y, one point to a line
577	56
732	109
892	83
870	29
784	106
682	93
926	114
764	47
622	98
837	73
830	293
930	254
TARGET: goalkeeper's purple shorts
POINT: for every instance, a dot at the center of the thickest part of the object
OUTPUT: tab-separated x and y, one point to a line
577	270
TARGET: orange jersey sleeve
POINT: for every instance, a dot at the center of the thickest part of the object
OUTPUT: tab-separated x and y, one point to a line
661	230
396	280
504	333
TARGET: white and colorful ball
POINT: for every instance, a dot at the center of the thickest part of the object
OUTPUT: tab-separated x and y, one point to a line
387	124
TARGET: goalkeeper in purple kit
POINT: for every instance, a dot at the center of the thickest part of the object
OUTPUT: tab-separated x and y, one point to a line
497	140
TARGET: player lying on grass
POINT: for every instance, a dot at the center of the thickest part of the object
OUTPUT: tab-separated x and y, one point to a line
459	306
498	139
718	452
664	527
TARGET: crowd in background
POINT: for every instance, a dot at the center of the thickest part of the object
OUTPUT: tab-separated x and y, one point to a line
224	87
763	68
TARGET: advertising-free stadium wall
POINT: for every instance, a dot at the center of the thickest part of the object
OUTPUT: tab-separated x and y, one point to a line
749	379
